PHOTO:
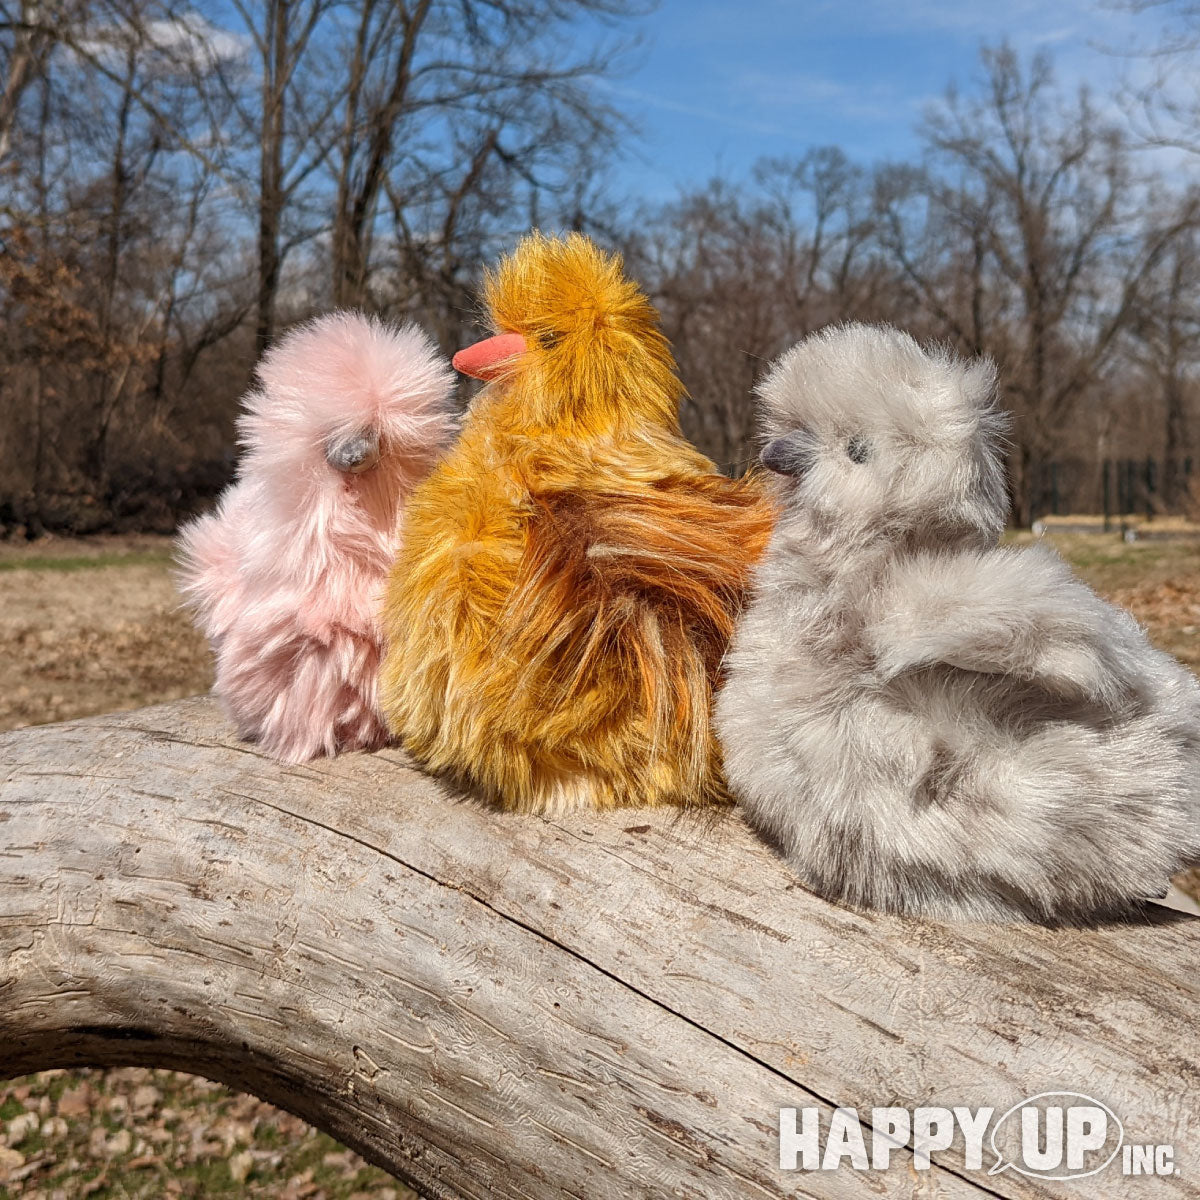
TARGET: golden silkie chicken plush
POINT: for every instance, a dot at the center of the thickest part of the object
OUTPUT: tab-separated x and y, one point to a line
572	569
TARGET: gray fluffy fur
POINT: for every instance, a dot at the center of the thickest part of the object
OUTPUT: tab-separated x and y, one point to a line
920	720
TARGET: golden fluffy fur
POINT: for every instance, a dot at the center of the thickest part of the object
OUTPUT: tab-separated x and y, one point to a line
572	570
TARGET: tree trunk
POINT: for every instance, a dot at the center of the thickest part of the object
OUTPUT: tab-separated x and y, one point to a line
1020	464
1175	441
107	385
489	1005
359	194
271	197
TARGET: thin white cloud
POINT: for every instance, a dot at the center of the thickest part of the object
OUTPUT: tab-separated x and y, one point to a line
805	91
186	40
687	108
197	36
1055	37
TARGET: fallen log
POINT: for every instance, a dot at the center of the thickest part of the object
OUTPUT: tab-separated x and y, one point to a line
490	1005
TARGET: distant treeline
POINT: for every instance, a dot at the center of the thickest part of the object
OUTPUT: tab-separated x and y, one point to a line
173	192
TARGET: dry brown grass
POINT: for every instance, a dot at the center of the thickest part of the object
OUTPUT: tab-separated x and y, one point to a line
82	641
90	626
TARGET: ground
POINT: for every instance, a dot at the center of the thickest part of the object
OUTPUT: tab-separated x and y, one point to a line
90	626
95	626
155	1134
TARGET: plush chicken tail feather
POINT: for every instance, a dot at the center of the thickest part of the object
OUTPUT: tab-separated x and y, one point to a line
659	577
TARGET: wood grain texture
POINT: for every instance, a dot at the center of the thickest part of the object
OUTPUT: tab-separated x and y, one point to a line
492	1005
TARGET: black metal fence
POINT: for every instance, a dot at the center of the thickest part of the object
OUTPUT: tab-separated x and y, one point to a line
1117	487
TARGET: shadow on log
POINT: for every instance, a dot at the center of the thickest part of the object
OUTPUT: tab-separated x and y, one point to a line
492	1005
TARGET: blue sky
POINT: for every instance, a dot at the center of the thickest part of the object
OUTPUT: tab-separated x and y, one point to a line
717	84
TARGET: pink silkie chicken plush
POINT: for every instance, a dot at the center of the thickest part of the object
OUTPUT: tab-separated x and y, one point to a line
285	577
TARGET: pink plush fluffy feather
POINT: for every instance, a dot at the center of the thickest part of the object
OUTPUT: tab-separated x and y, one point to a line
285	576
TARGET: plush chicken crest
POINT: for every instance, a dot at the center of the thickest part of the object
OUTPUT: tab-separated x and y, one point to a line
922	721
572	569
286	577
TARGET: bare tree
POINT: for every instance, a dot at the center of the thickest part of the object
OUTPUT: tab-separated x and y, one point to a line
741	272
1027	235
180	177
279	96
106	202
709	267
818	211
1166	344
448	105
1161	93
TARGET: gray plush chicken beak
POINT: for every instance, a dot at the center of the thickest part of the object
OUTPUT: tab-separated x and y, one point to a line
353	453
791	454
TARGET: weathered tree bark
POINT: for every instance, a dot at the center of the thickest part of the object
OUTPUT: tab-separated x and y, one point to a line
492	1005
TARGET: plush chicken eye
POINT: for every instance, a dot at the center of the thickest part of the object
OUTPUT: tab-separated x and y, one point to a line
858	449
549	340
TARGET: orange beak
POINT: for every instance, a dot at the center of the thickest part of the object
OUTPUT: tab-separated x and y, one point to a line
486	359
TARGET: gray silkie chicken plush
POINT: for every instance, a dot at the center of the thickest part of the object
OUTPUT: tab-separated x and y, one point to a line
922	721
